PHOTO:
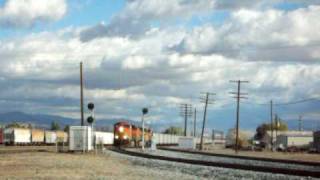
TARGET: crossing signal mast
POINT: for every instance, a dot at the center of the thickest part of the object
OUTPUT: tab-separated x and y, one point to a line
238	96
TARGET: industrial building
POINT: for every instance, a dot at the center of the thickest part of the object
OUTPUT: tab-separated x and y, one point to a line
301	139
276	134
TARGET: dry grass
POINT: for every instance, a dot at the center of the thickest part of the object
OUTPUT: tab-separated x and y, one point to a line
50	165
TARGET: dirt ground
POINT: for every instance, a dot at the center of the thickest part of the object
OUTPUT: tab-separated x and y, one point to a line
51	165
303	156
31	162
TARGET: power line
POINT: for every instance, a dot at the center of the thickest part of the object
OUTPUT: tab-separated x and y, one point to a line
286	103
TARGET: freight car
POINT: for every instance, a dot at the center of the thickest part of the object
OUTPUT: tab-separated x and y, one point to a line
15	136
1	136
50	137
37	136
130	135
62	136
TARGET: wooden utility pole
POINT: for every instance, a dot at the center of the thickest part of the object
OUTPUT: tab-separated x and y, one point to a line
81	95
238	97
300	123
206	101
276	126
195	123
186	111
271	123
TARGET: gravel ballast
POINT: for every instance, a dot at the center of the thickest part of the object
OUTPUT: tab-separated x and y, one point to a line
177	170
231	160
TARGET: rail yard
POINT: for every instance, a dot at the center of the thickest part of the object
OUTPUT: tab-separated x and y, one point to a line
17	163
151	89
124	147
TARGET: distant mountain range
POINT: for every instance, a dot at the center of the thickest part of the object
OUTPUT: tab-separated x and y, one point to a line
44	120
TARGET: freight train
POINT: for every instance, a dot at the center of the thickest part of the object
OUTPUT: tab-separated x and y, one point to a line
126	134
25	136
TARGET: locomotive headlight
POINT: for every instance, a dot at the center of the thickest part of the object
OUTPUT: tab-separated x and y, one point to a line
125	137
121	129
117	137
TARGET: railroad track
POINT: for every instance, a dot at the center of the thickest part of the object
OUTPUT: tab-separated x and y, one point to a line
305	163
256	168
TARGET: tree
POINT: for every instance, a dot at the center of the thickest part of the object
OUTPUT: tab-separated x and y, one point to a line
280	125
66	128
173	130
18	125
261	131
231	138
55	126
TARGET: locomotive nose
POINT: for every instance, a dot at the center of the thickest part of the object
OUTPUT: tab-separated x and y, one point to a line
121	129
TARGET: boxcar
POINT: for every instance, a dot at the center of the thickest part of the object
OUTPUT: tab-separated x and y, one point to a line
17	136
62	136
50	137
1	136
37	136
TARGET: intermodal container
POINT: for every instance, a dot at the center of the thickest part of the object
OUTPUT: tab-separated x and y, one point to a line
1	136
37	136
50	137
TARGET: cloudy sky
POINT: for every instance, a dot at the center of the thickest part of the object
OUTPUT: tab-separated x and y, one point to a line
158	54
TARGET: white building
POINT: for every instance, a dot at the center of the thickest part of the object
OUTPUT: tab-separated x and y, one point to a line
296	140
289	133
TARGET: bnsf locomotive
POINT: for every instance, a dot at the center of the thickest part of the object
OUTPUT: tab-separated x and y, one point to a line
126	134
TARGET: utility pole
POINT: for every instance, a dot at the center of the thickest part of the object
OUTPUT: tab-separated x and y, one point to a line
195	122
277	126
300	123
238	96
186	111
271	124
207	101
81	95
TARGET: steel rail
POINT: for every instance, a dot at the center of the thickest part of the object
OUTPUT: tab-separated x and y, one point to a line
287	161
265	169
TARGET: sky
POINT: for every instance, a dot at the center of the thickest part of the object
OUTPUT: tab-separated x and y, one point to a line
160	54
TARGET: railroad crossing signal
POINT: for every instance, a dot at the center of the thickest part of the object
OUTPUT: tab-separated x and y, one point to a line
145	111
90	119
90	106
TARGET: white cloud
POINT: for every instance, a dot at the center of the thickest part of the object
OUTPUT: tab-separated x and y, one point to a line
26	13
271	35
136	18
136	62
124	74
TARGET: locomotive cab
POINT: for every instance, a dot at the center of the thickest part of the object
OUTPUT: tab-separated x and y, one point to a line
126	134
122	133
